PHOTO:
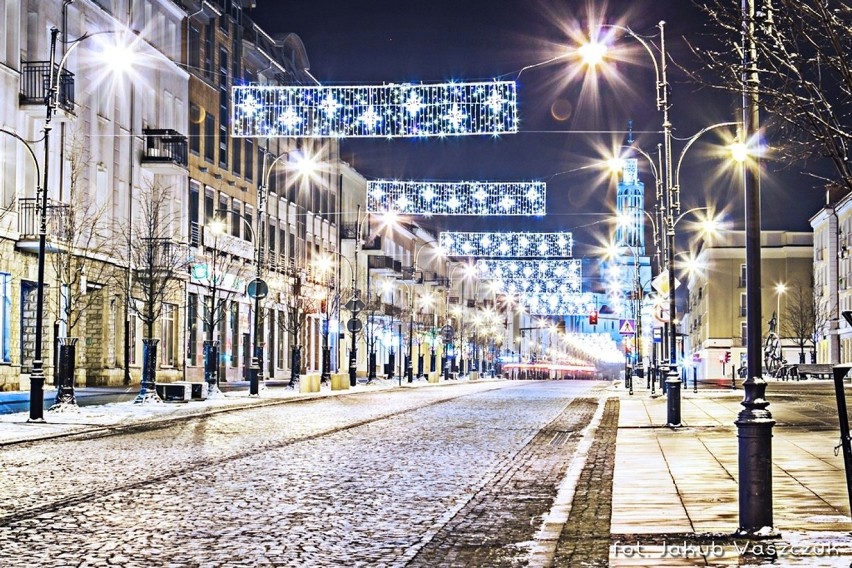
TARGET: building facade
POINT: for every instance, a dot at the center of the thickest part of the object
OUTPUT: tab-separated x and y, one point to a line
716	322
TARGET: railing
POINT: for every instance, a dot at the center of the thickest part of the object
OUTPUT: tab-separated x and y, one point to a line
164	145
35	84
29	217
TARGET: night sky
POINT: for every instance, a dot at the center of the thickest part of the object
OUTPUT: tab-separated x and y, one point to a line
563	125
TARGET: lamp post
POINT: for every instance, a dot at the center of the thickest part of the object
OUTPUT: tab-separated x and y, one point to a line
51	103
670	206
754	422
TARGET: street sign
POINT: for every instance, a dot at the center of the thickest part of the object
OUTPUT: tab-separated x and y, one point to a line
661	283
257	288
626	327
354	325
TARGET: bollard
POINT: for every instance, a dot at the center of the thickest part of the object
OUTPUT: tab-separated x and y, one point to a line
65	373
733	377
211	366
695	379
673	386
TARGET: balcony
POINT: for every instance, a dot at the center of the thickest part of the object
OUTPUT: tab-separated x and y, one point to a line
165	151
35	84
160	258
28	225
383	264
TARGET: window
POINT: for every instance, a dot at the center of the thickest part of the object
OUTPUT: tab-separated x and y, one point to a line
237	159
5	317
195	129
208	49
192	329
742	276
282	340
209	205
134	323
743	304
235	334
168	337
249	218
236	218
250	158
744	334
209	138
224	120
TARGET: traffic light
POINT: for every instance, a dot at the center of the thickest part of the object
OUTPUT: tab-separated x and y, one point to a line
593	317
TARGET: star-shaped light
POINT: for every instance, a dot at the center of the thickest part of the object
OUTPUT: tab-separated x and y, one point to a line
370	119
329	105
290	119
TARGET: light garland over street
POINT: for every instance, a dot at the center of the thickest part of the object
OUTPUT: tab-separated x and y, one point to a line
506	245
376	111
456	198
548	274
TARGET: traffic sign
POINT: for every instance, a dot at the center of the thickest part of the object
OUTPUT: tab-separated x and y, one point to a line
257	288
626	327
355	305
354	325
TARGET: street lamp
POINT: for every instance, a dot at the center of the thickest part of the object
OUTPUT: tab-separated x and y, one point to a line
51	103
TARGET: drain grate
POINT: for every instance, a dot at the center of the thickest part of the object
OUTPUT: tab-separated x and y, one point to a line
559	439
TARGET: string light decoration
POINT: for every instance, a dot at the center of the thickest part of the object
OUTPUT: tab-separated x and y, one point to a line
534	275
376	111
456	198
507	245
557	304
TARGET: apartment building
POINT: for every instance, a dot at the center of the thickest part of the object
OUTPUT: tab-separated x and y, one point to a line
716	323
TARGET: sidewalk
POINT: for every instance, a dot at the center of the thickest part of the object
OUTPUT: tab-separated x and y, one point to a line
675	492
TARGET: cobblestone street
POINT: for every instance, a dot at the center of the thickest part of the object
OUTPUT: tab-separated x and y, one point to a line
455	476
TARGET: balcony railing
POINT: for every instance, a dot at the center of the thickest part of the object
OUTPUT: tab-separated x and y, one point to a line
29	217
164	146
35	84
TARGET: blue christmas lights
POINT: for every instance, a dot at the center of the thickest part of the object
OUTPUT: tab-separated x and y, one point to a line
533	276
456	198
378	111
507	245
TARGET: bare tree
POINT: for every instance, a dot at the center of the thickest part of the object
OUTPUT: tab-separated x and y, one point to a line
805	66
159	264
223	275
805	318
80	260
299	308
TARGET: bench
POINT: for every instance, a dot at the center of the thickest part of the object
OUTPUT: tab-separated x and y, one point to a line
812	371
181	391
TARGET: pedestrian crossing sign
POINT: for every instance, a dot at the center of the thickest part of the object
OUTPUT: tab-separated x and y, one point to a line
626	327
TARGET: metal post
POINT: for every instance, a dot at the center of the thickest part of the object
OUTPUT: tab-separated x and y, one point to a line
65	398
839	374
754	422
37	373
